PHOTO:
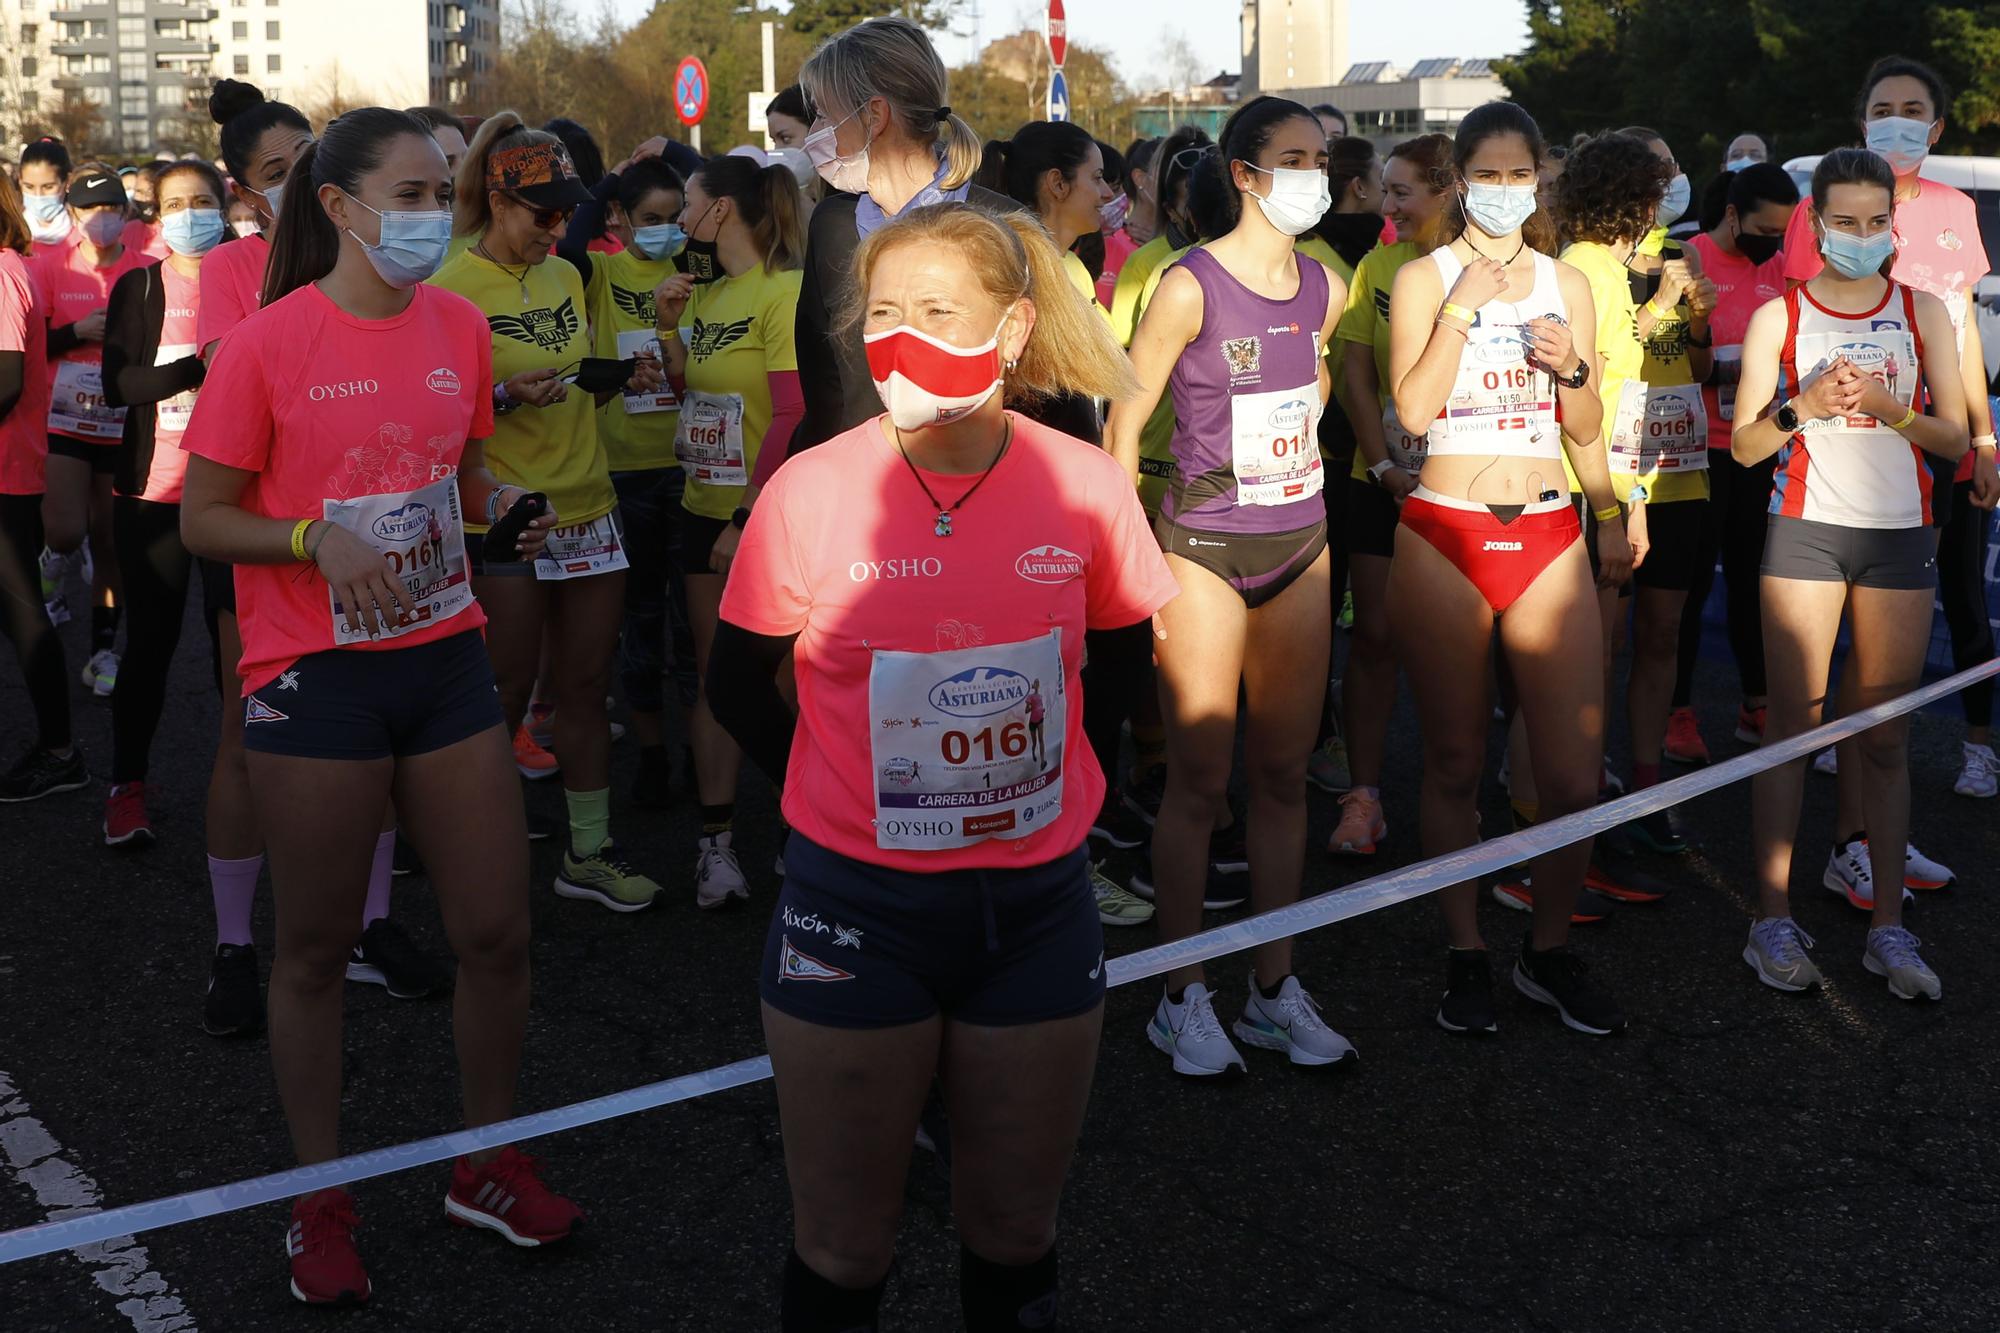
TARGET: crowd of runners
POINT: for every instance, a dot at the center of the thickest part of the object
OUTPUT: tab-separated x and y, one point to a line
998	501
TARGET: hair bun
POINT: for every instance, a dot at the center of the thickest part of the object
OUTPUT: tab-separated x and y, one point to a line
231	98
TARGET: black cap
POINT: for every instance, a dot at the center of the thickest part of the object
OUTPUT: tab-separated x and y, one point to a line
93	189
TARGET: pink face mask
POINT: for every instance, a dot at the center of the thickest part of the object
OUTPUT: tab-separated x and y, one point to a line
925	381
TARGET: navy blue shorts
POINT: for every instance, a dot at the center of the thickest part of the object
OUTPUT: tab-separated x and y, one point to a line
347	703
854	945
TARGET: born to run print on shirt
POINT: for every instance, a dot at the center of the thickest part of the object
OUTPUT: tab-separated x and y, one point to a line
639	305
542	326
710	339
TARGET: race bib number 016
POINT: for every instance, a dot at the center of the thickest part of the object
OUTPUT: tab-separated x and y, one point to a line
709	440
1499	404
967	744
583	549
77	406
1890	355
1276	446
1663	428
423	536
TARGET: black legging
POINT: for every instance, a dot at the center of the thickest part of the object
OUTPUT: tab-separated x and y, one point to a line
1737	517
1117	670
26	621
1961	563
156	568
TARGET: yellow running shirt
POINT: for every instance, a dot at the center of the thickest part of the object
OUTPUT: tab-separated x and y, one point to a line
736	331
637	429
1140	265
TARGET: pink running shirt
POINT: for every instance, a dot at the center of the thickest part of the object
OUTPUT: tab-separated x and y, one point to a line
232	280
24	433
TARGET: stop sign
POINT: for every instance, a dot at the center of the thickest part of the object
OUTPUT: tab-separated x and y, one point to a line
1058	37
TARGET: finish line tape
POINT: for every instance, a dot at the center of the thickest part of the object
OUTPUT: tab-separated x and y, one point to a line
1369	895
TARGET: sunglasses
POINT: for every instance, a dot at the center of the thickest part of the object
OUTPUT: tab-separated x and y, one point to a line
1187	157
545	219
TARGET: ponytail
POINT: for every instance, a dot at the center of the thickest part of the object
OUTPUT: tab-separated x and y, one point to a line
961	151
471	210
768	200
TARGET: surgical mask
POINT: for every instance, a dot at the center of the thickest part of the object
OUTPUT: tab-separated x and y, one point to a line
102	229
1900	141
842	173
659	241
1499	209
192	231
1856	256
1758	249
273	197
413	245
48	220
1111	216
246	227
1736	164
1675	202
925	381
1298	198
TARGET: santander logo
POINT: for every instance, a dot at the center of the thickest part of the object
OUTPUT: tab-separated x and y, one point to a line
443	380
1049	564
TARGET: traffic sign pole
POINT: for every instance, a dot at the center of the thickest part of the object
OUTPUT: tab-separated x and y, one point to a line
691	96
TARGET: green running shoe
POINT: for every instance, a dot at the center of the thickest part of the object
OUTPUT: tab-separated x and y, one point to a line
605	878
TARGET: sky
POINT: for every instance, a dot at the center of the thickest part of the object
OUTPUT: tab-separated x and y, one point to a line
1393	32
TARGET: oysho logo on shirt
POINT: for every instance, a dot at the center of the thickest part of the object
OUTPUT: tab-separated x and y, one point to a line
1049	564
861	571
320	393
443	380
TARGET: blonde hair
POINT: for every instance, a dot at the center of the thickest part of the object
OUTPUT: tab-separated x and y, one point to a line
1070	349
471	210
892	58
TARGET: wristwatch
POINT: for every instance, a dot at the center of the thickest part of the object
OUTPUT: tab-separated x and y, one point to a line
1579	379
1787	418
1377	471
740	517
503	401
1638	495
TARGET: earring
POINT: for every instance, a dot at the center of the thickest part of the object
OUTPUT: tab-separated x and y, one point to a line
1011	363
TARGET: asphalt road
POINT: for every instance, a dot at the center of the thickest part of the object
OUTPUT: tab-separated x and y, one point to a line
1739	1159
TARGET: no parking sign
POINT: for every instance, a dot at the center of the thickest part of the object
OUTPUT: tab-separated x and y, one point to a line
691	90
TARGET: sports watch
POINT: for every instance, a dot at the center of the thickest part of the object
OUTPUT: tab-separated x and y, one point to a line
1787	418
740	517
1579	379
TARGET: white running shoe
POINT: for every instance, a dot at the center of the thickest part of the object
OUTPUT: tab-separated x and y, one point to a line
1777	950
1827	761
1291	1023
718	876
100	673
1193	1036
1850	874
1920	872
1981	775
1892	955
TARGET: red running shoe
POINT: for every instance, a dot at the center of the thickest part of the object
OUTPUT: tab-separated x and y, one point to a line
326	1268
507	1195
1519	894
1750	724
1684	744
125	822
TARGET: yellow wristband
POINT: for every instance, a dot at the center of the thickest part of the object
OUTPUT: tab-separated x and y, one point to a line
1454	311
1908	417
1606	515
299	540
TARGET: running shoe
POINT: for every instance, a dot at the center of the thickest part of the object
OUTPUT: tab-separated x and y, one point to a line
1827	761
326	1268
532	760
1468	993
100	673
1850	874
1980	777
1658	832
1684	743
1117	906
1290	1022
1228	854
1346	620
1609	784
546	828
1922	873
1623	884
235	1003
54	600
1143	793
1117	826
1777	952
125	822
40	773
1558	978
605	878
386	956
507	1195
1892	955
1193	1036
1220	893
652	788
405	861
1327	768
1750	724
718	876
1361	829
1591	907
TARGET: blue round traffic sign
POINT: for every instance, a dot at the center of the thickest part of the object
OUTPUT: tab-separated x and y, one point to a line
691	90
1058	96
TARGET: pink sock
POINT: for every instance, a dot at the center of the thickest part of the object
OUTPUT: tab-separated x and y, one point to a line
1644	776
234	884
379	875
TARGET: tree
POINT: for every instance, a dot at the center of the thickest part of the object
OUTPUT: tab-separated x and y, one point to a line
78	122
818	19
333	92
1010	85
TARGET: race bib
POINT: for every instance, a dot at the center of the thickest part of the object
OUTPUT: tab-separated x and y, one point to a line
1276	446
1500	404
1889	355
1406	451
630	344
967	744
709	441
1728	370
423	535
77	406
583	549
1663	429
173	413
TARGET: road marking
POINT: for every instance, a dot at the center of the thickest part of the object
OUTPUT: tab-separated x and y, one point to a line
120	1266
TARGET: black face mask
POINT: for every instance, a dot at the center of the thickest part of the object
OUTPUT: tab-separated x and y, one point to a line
1178	236
603	374
1351	235
1758	249
698	259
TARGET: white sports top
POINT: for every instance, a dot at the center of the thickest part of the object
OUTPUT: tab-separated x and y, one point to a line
1500	404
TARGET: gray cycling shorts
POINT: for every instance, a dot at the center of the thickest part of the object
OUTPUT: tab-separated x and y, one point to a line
1896	558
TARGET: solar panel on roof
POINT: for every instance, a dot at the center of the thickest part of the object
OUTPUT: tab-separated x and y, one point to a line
1476	69
1435	68
1366	72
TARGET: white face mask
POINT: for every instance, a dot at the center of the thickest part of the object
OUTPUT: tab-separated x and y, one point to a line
926	381
848	174
1298	199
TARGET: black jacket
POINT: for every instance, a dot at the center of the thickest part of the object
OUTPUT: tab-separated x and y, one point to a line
132	323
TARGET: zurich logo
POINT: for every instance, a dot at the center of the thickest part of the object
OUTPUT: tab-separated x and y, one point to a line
412	520
979	692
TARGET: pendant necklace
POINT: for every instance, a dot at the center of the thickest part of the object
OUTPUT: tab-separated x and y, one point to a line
943	528
520	279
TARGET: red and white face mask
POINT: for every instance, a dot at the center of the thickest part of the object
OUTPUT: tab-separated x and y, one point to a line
925	381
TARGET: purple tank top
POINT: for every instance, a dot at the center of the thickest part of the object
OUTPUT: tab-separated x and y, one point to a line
1247	407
